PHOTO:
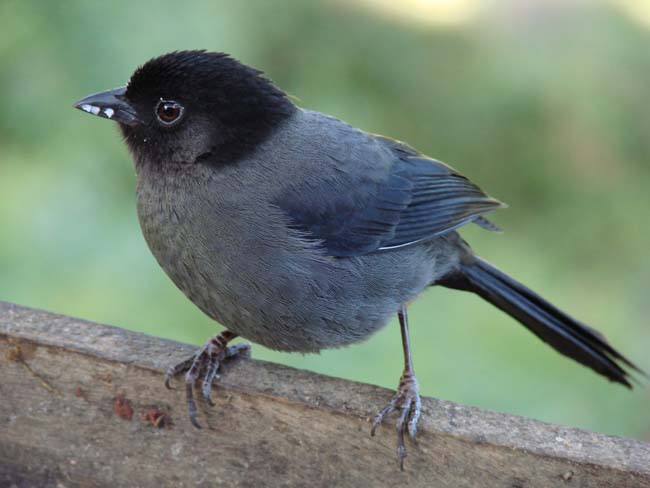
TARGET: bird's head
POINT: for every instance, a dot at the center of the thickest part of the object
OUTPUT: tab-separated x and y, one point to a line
192	106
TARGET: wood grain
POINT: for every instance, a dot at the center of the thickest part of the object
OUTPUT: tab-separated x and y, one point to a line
83	405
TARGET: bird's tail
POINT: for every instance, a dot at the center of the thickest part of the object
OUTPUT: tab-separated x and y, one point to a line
563	333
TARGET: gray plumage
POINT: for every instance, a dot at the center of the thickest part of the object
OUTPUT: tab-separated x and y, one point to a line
224	243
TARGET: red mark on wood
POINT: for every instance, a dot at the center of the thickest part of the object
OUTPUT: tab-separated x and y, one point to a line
122	407
156	417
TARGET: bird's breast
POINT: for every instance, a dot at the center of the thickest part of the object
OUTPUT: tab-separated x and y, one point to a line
234	259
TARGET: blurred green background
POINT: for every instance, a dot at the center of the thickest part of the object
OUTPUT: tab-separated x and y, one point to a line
545	104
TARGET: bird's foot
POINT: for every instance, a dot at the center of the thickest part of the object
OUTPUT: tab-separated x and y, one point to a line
205	364
407	401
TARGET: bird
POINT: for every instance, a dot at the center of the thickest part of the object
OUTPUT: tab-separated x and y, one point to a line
296	231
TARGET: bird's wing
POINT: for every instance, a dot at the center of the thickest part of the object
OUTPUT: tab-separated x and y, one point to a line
367	206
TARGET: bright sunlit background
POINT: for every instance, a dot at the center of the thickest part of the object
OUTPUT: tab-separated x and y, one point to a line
545	104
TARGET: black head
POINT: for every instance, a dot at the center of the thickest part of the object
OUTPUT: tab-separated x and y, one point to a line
193	106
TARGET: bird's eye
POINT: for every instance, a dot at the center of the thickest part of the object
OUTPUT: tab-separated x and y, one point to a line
169	112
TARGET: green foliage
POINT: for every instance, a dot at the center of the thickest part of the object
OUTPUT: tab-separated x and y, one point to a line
548	114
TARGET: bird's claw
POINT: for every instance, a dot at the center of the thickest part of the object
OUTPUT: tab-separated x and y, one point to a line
205	364
407	401
176	370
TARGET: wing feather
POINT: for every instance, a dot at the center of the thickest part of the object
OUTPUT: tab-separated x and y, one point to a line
406	199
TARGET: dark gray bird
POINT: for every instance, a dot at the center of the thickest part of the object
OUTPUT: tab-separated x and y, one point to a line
299	232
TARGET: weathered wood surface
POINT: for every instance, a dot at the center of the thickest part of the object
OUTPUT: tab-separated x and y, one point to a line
61	425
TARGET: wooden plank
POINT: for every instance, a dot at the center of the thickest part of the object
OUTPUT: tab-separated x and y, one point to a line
78	404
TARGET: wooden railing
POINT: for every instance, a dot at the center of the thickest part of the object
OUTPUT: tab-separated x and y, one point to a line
82	404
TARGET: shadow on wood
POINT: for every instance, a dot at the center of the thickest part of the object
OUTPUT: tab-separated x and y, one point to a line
83	404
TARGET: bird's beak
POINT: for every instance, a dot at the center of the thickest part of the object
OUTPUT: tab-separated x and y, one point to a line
111	104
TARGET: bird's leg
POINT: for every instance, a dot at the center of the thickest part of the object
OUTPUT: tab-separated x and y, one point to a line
205	364
407	397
